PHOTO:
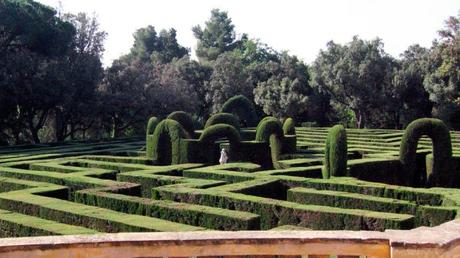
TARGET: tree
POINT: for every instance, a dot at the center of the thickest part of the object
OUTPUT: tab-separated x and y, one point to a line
357	76
217	37
229	78
285	93
82	72
123	95
149	47
443	79
408	80
32	39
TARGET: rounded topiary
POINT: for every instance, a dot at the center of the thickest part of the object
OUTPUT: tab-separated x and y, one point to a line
243	108
335	154
289	127
442	152
270	130
223	118
151	125
219	131
185	120
166	142
268	126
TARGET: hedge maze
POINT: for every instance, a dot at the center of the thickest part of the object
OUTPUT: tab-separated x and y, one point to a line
276	180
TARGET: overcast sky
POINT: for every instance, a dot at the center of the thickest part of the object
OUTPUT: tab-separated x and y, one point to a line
299	26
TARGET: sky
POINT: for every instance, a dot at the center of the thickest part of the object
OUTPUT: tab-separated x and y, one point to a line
302	27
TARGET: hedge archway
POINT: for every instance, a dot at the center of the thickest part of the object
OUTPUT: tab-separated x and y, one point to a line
289	126
442	152
243	108
270	130
223	118
185	119
166	142
219	131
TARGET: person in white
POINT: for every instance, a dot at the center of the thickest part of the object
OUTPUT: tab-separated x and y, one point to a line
223	156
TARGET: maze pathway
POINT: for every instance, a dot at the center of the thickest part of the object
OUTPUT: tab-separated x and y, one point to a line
88	188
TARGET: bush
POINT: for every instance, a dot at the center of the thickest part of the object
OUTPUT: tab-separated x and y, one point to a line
289	127
223	118
335	155
268	126
219	131
441	174
166	142
185	120
243	108
270	130
151	125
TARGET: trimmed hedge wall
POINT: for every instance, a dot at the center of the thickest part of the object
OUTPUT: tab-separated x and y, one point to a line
441	173
243	108
223	118
185	119
166	142
335	154
151	125
270	130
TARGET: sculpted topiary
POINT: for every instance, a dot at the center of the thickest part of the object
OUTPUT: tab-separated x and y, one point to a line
166	142
151	125
243	108
289	126
270	130
335	154
441	173
215	132
185	120
223	118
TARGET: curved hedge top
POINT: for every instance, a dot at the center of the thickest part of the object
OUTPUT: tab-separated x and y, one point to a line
223	118
442	150
217	131
289	126
185	120
166	142
336	152
151	124
243	108
268	126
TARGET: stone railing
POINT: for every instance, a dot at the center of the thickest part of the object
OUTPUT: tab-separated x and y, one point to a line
440	241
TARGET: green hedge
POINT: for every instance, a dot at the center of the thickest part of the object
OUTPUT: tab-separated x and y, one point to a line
243	108
166	142
441	173
185	119
195	215
151	125
289	126
335	154
223	118
218	131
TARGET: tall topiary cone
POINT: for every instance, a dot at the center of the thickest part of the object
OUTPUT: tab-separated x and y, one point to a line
335	154
440	173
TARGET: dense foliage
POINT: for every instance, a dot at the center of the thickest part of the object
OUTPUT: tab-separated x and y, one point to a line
53	86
